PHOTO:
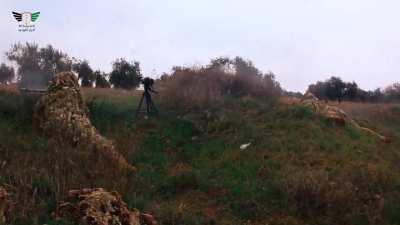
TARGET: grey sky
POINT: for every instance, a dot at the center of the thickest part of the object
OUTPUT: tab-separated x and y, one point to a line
301	41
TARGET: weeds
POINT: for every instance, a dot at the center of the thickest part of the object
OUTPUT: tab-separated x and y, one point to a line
299	169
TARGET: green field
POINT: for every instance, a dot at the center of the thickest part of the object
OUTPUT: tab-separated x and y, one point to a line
299	168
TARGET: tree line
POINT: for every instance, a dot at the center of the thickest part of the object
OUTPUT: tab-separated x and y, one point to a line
36	65
335	89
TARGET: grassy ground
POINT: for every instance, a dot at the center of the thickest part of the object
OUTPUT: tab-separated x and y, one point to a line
299	168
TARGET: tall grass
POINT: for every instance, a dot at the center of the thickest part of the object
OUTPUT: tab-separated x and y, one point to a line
299	169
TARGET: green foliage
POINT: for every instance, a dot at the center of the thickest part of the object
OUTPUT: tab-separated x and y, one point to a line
17	108
36	66
101	80
290	169
333	89
336	89
125	75
392	212
106	114
42	187
302	112
353	132
85	73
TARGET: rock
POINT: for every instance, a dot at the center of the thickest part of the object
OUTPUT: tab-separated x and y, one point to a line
4	205
62	115
99	207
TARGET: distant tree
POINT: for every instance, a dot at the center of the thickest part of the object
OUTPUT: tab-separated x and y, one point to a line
350	91
101	80
54	60
319	90
376	96
125	75
7	73
36	66
392	92
335	89
363	95
85	73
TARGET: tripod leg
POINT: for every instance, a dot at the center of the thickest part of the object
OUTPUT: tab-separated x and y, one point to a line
146	100
153	106
139	107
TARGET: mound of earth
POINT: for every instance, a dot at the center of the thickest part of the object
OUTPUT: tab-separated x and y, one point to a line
335	114
62	115
99	207
4	204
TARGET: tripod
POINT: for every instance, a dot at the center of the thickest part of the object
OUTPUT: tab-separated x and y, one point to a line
150	107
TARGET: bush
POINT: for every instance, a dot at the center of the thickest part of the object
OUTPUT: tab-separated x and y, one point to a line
207	86
316	194
17	108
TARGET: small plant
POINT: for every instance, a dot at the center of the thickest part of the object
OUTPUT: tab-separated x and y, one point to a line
302	112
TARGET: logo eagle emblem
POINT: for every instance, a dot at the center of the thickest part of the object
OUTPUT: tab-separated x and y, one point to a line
26	18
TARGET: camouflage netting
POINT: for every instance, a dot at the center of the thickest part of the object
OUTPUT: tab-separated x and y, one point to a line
335	114
99	207
62	115
4	204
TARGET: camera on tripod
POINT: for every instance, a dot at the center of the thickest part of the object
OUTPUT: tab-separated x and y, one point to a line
148	89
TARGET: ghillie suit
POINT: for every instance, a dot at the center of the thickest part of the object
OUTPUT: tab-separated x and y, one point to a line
4	205
62	115
335	114
99	207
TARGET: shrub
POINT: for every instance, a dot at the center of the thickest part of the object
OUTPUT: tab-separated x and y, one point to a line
207	86
317	195
17	108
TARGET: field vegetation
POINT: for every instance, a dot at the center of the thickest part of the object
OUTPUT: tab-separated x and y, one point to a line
229	146
298	169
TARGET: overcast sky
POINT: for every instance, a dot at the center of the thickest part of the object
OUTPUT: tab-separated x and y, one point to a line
301	41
